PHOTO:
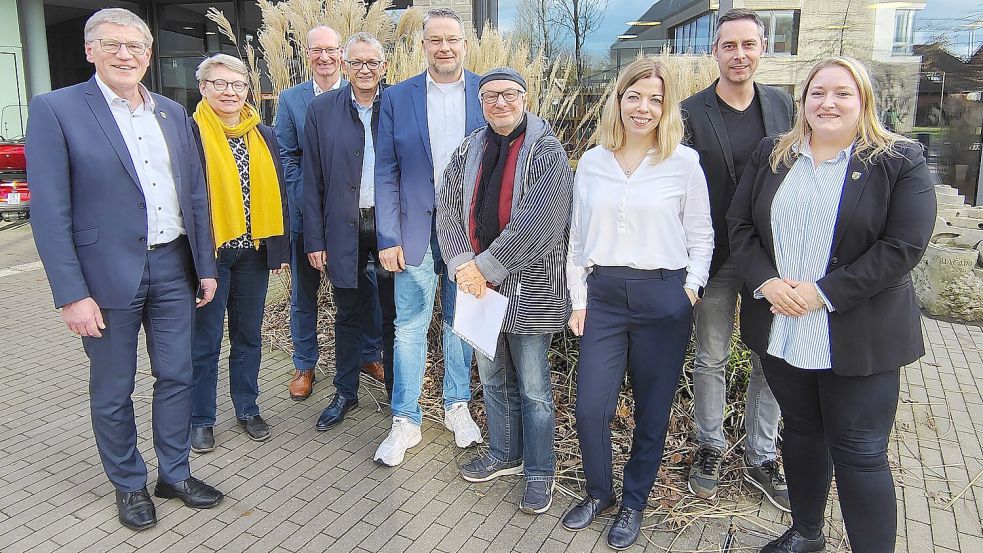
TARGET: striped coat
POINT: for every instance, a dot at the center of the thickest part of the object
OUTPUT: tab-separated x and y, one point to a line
527	261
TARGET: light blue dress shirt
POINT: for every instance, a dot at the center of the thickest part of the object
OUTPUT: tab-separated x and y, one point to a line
803	217
366	194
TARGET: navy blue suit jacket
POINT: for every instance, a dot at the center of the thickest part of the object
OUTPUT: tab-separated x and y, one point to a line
87	208
404	183
333	181
291	114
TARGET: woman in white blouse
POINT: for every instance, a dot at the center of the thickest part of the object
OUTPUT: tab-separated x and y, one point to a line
640	247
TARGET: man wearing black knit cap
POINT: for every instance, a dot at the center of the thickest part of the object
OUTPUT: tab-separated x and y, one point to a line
502	221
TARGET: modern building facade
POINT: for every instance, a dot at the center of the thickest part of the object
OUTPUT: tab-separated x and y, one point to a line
42	43
878	32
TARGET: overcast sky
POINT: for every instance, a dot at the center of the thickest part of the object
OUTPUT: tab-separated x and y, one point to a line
939	16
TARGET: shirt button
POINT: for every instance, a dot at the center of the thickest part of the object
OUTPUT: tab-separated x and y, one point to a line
153	184
145	161
139	138
159	208
353	188
142	205
143	239
357	153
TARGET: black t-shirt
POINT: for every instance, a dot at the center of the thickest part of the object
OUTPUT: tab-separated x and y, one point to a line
744	130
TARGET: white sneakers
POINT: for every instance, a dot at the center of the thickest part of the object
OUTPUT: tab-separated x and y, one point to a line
404	435
458	420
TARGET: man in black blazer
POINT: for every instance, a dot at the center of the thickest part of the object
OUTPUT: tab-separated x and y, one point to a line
339	216
724	123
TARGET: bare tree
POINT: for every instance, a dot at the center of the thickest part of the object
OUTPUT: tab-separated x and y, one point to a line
535	22
580	18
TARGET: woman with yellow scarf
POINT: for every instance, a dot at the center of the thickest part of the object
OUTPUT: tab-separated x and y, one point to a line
248	208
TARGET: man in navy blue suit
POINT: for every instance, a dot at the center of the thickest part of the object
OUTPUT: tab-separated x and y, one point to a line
436	110
121	223
324	54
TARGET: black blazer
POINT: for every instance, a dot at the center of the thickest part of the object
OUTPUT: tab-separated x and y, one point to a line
334	142
705	133
884	221
277	247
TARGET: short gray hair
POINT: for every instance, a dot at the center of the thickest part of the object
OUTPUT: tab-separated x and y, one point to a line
442	13
117	16
739	14
365	38
336	33
229	62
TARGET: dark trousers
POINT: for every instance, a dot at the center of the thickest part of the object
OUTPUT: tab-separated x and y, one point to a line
639	321
305	283
838	424
243	280
164	305
355	315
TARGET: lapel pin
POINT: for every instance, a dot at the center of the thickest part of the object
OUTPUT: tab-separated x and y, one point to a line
164	116
854	176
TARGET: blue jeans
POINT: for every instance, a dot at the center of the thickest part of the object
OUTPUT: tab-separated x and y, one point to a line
519	403
303	310
243	278
416	288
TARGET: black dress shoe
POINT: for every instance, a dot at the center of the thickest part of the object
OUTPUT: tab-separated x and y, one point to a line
793	542
583	513
625	529
257	428
193	492
136	509
335	412
202	439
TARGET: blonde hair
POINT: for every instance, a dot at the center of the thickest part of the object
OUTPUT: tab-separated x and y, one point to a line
873	139
231	63
669	132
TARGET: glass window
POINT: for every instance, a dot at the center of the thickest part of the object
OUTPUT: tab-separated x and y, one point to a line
904	32
782	32
702	35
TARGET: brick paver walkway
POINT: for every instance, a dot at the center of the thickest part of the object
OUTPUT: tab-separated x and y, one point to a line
309	491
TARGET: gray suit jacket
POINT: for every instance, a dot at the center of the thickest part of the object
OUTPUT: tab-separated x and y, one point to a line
87	207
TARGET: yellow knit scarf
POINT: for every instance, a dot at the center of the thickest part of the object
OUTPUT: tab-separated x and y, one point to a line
222	175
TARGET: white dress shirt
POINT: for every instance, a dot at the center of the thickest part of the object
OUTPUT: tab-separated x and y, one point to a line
657	218
446	120
144	140
318	91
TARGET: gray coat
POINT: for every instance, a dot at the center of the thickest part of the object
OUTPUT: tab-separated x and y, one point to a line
527	261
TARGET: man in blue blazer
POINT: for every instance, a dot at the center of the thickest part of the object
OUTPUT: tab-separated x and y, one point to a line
436	110
120	219
324	54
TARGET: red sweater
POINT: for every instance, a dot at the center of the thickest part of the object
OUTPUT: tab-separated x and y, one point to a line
504	197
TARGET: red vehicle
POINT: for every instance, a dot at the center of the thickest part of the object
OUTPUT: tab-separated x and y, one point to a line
12	158
15	196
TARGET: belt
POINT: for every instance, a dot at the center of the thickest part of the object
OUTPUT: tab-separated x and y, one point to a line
155	247
366	212
629	273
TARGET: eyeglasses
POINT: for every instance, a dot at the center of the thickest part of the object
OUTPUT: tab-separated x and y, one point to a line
111	46
437	41
510	95
221	85
357	64
316	52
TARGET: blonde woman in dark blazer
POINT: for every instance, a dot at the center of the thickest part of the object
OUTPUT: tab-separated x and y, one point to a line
825	226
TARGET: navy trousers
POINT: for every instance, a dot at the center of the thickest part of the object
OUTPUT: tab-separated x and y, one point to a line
165	306
639	322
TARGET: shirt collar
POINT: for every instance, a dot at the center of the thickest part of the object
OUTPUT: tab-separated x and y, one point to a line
360	106
804	149
456	84
111	96
317	89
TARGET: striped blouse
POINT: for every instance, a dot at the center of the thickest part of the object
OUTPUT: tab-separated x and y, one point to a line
803	215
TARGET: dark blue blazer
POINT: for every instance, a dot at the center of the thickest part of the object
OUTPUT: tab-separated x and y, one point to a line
404	184
291	114
87	208
333	181
277	247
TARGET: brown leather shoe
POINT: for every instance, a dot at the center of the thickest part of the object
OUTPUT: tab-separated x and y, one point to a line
375	370
301	384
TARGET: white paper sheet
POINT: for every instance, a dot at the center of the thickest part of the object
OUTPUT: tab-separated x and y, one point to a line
479	322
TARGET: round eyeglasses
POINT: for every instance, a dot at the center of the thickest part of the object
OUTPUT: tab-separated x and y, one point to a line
221	85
